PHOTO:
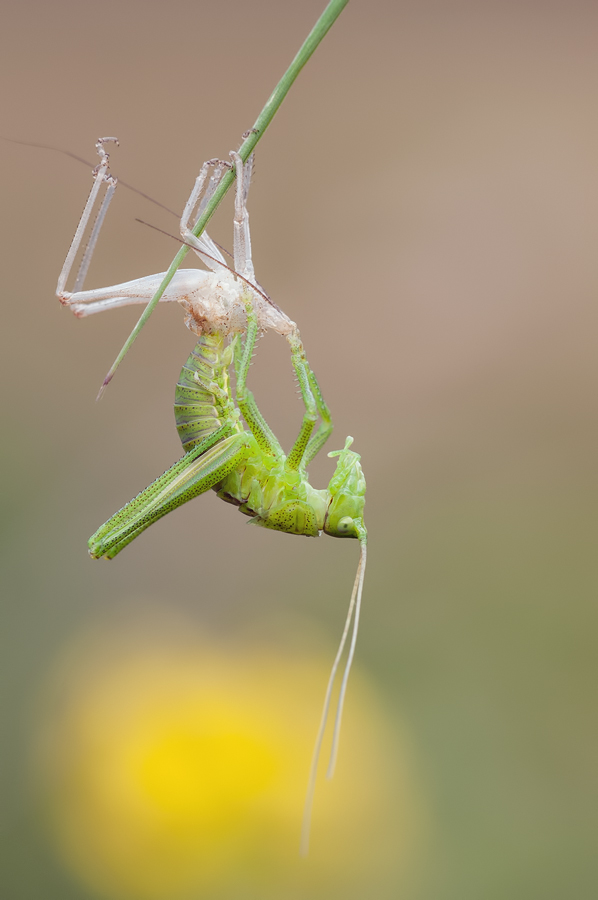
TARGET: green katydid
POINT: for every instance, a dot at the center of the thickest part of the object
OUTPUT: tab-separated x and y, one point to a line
246	466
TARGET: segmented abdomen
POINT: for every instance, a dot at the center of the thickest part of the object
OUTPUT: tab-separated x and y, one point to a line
199	408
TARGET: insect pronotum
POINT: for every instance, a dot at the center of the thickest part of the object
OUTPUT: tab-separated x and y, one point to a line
245	464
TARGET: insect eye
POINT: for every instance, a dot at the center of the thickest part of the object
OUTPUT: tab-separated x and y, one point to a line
345	524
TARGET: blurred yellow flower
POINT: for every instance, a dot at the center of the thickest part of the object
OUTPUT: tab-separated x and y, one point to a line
177	769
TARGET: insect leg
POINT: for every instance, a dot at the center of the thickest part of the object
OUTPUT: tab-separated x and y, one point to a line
100	176
139	290
306	446
242	239
211	255
317	441
302	370
195	473
256	423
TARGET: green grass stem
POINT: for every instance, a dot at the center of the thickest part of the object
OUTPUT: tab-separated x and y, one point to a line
324	23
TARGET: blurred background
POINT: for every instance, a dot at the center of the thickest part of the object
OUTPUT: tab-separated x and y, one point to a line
425	206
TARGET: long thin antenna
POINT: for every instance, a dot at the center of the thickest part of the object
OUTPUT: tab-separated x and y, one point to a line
354	604
86	162
341	697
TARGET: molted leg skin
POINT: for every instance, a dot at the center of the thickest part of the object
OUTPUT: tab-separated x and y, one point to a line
242	238
101	176
185	283
203	245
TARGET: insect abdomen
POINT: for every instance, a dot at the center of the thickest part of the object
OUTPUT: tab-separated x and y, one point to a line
202	401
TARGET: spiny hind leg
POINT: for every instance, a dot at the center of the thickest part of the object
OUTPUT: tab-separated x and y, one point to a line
101	176
197	471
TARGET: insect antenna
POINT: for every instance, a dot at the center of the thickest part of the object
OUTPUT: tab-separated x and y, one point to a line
354	606
359	579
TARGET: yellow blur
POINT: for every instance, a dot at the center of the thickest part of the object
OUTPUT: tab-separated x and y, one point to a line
176	769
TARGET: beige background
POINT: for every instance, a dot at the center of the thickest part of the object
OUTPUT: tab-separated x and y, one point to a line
425	206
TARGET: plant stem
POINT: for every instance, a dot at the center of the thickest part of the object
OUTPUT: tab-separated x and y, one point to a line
324	23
